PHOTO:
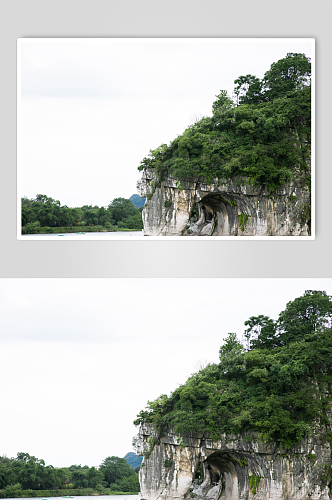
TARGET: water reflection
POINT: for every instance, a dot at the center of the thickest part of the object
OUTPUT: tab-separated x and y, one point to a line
123	235
95	497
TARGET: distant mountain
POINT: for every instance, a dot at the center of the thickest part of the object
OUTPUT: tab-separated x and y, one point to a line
137	200
133	459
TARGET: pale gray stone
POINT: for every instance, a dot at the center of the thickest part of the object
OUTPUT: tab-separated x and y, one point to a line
228	464
224	208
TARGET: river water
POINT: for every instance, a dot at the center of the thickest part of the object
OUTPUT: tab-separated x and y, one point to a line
95	497
120	235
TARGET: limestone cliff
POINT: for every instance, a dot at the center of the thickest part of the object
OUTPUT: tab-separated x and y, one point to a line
232	468
224	208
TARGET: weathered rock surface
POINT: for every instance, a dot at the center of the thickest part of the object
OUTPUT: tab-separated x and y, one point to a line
232	468
223	208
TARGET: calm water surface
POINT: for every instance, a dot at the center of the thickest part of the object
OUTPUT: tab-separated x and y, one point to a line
87	236
99	497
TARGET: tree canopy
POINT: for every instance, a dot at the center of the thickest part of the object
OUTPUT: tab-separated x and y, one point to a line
307	314
264	137
45	212
26	472
290	73
278	382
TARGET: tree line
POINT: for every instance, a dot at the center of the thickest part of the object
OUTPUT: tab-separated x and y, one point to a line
275	381
44	214
262	133
26	472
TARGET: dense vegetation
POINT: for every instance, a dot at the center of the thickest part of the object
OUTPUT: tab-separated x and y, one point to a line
277	381
23	475
263	135
46	215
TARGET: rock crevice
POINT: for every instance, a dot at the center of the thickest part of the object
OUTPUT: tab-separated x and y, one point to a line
232	468
224	208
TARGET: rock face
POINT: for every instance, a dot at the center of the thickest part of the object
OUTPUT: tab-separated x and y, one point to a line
223	208
232	468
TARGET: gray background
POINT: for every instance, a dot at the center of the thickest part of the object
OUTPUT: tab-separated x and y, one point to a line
162	18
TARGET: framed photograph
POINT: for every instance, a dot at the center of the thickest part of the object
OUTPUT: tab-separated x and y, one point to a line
215	395
189	138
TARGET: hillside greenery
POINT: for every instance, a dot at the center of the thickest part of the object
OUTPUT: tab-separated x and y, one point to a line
263	134
26	476
46	215
275	381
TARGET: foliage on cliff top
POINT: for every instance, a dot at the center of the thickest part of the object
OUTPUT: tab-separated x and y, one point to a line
281	389
264	136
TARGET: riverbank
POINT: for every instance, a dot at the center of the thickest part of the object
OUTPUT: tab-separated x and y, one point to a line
76	229
86	236
11	492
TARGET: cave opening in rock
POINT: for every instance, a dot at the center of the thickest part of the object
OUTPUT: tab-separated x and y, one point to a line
214	203
216	210
219	214
214	475
208	207
226	473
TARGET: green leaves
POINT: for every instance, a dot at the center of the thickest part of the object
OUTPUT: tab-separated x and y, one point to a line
259	374
265	139
259	142
248	90
305	315
290	73
279	390
29	473
222	102
308	314
43	213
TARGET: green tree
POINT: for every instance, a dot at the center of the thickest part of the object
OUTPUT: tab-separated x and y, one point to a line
121	208
5	475
310	313
281	392
32	228
95	477
248	90
28	471
290	73
230	346
253	141
79	479
114	469
103	216
12	491
222	103
54	478
260	333
130	484
46	210
91	216
230	352
134	221
26	211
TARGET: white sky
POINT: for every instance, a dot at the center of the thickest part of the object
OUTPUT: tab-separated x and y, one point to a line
80	358
89	110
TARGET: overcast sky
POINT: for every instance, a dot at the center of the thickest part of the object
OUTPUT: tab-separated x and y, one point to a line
89	110
80	358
